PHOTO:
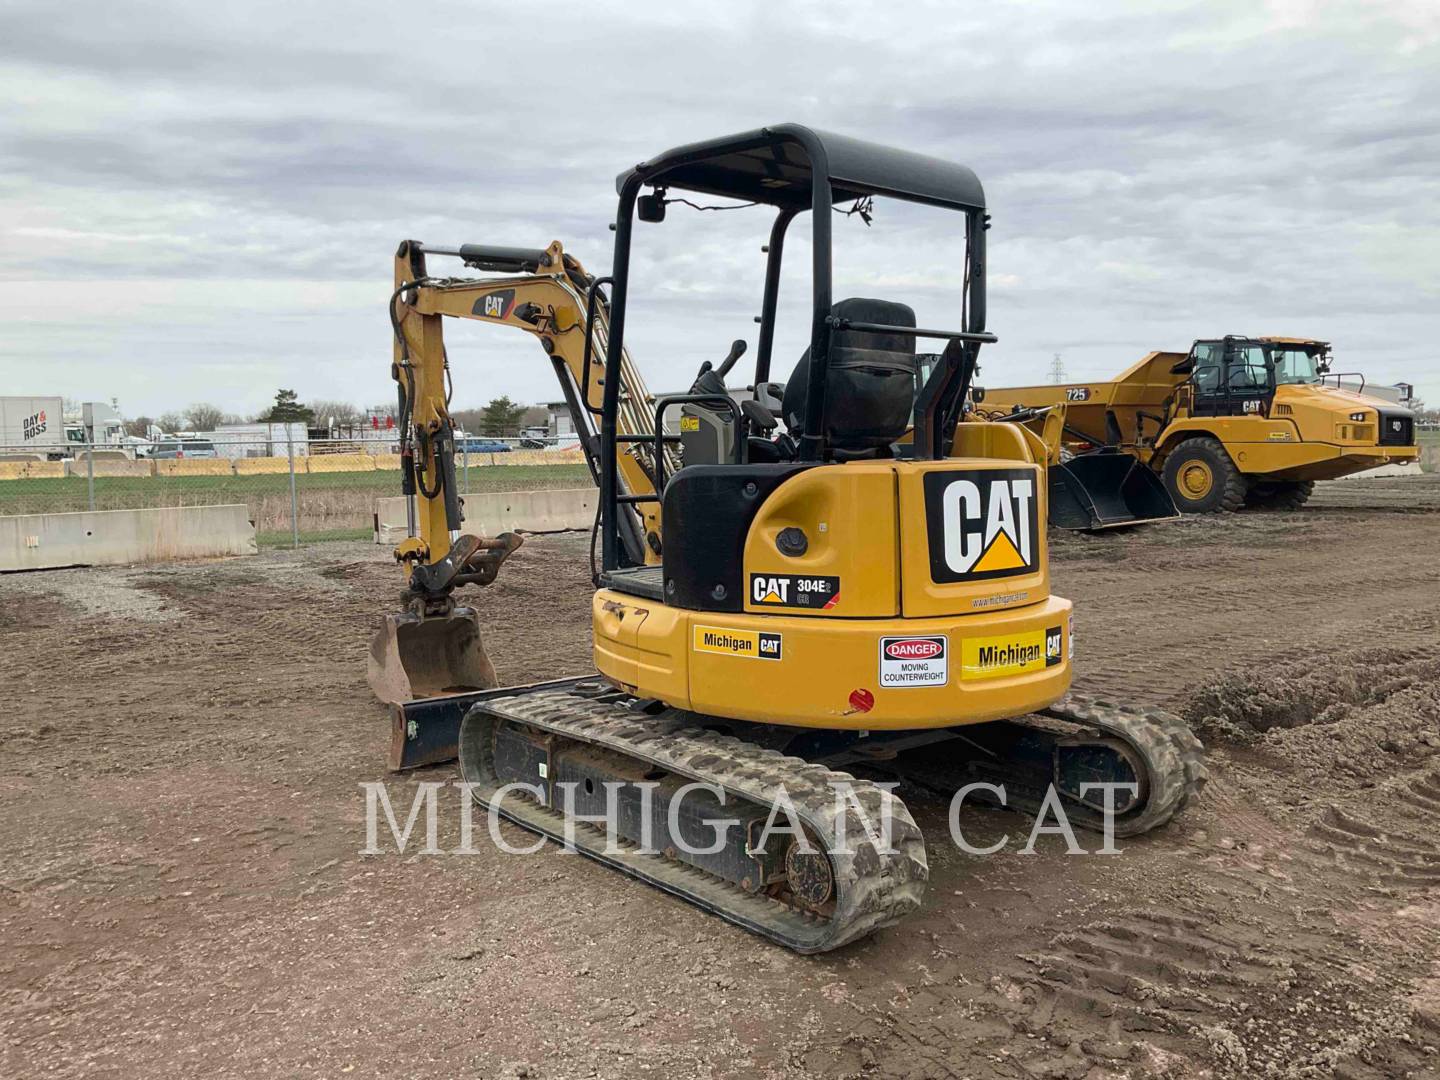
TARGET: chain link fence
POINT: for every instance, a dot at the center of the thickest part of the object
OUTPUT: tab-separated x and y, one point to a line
296	492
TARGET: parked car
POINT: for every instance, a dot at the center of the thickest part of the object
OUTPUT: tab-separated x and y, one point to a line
183	448
470	444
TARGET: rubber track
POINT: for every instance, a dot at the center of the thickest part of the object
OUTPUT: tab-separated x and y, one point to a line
1173	757
873	889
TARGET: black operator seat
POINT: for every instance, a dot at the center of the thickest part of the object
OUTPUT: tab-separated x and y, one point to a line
870	387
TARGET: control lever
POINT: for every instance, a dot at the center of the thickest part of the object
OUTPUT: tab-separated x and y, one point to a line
737	350
760	418
711	380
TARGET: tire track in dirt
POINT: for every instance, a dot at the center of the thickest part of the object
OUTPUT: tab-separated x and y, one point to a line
1248	971
1285	923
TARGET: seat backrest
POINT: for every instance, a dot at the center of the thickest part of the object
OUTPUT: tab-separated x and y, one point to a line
870	385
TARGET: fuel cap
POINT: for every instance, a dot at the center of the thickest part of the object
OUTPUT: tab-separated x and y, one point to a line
792	542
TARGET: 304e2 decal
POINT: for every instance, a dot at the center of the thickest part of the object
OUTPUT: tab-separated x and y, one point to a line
794	590
981	524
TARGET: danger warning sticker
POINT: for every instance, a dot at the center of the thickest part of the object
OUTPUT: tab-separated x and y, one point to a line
914	661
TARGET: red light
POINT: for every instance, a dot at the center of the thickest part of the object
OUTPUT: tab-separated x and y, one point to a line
862	700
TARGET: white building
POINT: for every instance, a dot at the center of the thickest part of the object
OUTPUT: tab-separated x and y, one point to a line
258	439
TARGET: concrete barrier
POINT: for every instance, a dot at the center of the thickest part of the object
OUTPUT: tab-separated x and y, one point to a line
328	463
494	512
1409	468
569	456
194	467
109	537
261	466
31	470
109	467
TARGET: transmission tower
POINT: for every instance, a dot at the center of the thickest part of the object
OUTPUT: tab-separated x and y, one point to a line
1057	370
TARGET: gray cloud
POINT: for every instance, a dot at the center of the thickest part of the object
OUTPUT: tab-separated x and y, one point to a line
201	203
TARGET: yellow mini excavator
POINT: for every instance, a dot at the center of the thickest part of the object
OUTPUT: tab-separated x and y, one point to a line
771	608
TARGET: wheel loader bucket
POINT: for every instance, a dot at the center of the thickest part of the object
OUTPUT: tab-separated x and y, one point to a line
413	658
1105	489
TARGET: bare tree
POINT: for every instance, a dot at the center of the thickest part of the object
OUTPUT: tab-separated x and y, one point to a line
171	422
139	426
338	413
203	417
467	420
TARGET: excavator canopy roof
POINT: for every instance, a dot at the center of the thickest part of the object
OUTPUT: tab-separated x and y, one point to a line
776	165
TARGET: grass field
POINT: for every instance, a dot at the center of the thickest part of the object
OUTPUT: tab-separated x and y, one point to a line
333	506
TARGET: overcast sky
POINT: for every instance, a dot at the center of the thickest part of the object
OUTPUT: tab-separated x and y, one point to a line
201	202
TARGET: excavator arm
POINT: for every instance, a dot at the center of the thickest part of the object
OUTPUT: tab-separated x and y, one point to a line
555	301
433	646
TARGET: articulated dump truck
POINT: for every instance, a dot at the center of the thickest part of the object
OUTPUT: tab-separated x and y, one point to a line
1235	422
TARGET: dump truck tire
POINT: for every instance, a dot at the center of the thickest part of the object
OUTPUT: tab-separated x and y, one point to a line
1202	479
1279	494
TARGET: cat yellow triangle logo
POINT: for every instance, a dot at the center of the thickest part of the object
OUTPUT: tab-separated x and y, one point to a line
1000	555
987	523
772	597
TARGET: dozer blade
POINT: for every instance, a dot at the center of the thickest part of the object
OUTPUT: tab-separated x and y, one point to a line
412	658
1104	489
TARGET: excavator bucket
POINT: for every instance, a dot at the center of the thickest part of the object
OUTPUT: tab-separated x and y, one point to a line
413	658
1104	489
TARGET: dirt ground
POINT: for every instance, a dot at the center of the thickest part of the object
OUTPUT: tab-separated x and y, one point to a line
181	818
